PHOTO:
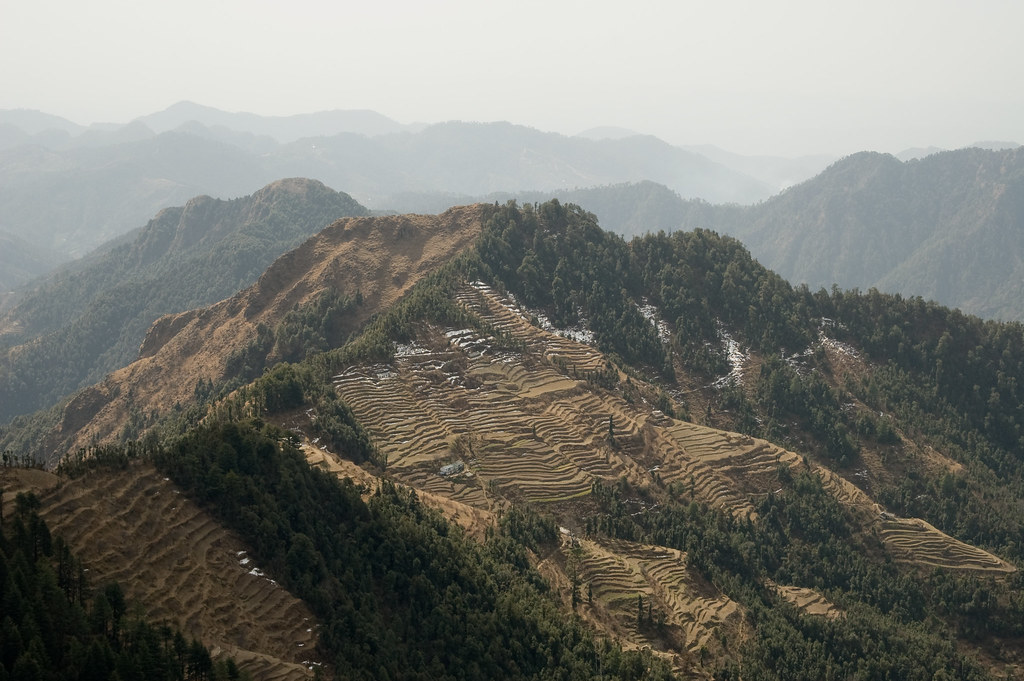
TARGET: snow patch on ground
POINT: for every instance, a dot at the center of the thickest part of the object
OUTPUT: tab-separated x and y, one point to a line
838	346
578	332
736	357
469	341
410	350
243	561
650	313
798	360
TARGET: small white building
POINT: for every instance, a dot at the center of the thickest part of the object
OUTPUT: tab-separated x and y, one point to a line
452	469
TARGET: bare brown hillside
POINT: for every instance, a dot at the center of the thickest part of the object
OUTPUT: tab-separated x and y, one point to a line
379	257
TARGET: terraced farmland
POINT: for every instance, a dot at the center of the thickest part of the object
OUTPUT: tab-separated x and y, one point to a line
184	567
623	575
724	469
915	541
506	317
526	428
512	403
808	600
474	520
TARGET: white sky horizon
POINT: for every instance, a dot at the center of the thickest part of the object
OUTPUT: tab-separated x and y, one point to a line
786	78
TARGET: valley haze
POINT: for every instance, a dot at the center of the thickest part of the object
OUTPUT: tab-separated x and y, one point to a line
786	78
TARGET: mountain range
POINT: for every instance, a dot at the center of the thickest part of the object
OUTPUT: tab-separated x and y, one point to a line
282	437
868	221
65	190
946	227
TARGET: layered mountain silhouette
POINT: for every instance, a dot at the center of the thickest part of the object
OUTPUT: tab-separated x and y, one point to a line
499	441
66	190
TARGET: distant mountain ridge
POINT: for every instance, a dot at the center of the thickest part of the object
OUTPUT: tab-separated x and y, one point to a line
68	202
629	209
65	193
946	227
283	129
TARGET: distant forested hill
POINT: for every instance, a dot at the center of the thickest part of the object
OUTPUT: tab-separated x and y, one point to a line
81	323
629	208
20	261
948	227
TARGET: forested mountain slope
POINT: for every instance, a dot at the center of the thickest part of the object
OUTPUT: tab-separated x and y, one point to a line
946	227
75	326
754	480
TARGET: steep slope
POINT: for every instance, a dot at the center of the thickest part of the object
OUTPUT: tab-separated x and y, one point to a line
184	568
378	258
75	326
521	417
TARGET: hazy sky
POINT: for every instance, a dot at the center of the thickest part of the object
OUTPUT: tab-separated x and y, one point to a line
751	77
